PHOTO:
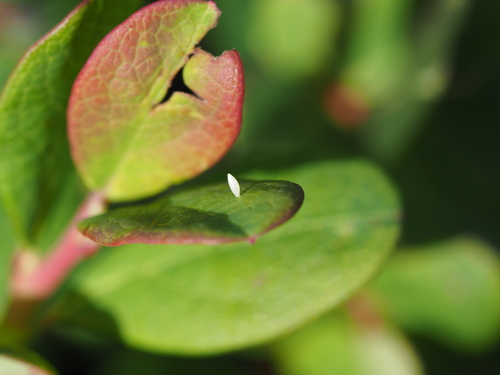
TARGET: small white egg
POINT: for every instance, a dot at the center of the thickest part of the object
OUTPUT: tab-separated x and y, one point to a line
233	185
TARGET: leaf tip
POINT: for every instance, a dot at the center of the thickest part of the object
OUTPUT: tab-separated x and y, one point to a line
233	185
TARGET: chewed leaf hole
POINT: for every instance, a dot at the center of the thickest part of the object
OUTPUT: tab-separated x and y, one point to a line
177	85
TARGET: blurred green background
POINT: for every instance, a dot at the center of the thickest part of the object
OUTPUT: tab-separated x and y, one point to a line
412	85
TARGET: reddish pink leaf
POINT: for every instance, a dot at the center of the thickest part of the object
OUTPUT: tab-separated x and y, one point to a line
127	143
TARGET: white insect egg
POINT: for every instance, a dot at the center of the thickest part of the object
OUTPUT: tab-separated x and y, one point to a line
233	185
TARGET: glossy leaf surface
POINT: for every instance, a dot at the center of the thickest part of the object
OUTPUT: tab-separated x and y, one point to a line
210	215
35	162
449	291
207	299
124	140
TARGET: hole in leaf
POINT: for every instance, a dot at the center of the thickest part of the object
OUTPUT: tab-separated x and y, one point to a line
177	85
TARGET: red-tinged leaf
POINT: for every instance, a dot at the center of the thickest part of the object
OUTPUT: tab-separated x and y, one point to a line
127	143
35	168
207	215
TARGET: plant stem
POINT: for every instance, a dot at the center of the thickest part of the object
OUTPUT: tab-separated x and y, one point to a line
37	279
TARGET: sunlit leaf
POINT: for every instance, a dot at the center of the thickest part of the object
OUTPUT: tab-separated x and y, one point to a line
206	299
124	140
35	163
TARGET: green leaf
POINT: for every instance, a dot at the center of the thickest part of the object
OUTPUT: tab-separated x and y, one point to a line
35	162
21	361
209	215
337	344
60	215
6	252
206	299
293	39
127	143
449	291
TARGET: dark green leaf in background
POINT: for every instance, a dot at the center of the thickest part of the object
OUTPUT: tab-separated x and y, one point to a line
398	62
202	299
210	215
134	362
34	162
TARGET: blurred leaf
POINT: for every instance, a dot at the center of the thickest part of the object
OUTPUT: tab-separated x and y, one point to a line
379	48
209	215
449	291
202	299
6	251
17	362
35	163
336	344
294	38
18	30
398	64
124	140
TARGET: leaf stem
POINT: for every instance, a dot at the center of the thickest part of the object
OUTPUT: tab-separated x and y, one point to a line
37	279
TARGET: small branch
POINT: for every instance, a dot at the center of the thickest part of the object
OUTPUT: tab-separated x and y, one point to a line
36	279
